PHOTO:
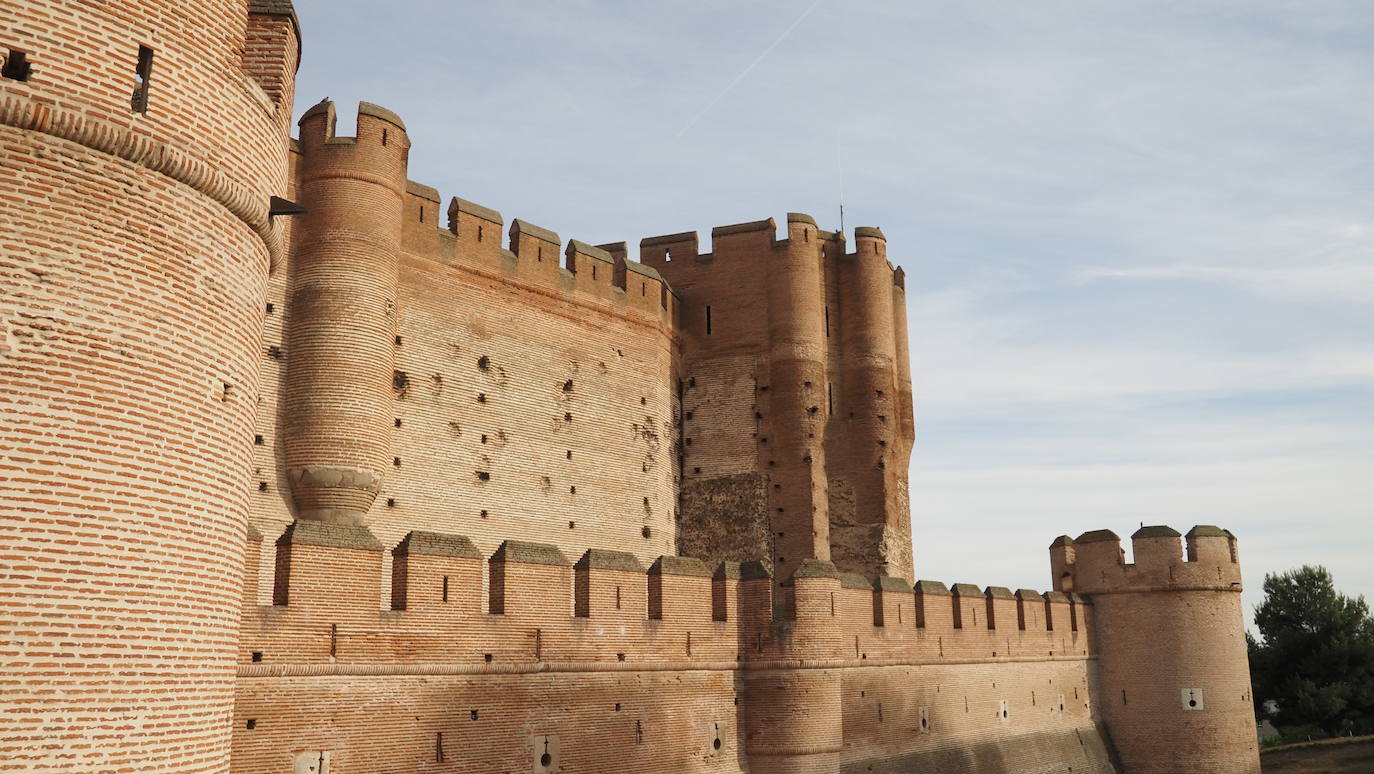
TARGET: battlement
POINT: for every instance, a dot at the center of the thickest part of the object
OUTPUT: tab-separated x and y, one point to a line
608	608
680	252
377	129
1163	560
469	234
470	237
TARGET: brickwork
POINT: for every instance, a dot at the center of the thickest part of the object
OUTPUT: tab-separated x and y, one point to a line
805	395
395	485
688	654
135	247
1178	699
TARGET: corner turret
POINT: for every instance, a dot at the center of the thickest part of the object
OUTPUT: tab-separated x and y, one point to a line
1173	680
341	350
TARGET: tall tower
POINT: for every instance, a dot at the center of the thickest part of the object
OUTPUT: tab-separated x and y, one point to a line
797	421
341	351
796	371
1173	678
140	143
874	413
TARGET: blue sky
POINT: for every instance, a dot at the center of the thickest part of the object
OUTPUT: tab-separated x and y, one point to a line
1137	235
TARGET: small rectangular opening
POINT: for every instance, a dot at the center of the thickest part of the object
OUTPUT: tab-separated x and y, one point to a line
445	598
17	67
708	320
143	72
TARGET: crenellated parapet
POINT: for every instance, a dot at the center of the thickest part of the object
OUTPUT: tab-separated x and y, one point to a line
528	602
468	235
1162	560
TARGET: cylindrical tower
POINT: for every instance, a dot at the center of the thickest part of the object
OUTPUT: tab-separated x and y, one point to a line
1172	681
796	365
341	350
793	714
138	152
879	542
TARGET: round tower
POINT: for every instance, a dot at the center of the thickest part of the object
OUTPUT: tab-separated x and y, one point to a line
793	714
879	540
1172	681
341	352
138	154
797	381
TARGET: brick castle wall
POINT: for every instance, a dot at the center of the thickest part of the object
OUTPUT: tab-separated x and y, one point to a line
628	667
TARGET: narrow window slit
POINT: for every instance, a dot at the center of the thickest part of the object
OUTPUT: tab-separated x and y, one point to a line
17	66
144	74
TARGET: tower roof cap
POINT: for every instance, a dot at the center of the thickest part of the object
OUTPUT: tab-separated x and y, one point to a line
1156	531
1098	536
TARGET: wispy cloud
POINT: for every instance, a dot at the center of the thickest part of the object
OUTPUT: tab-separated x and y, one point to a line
1352	282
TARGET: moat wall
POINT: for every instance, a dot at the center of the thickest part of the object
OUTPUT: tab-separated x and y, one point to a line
622	667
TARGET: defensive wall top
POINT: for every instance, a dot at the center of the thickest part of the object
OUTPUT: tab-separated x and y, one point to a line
326	581
605	273
1163	559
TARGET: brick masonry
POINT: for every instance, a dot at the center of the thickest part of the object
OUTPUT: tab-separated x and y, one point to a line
402	485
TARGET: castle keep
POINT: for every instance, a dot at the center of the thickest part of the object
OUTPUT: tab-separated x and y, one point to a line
309	469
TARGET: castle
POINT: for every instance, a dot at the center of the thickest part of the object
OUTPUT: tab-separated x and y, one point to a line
307	470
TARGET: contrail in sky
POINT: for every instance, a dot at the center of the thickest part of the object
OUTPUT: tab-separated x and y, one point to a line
751	66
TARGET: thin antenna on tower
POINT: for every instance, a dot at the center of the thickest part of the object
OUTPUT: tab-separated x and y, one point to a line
839	164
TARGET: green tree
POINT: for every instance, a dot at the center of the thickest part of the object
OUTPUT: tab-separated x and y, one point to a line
1315	658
